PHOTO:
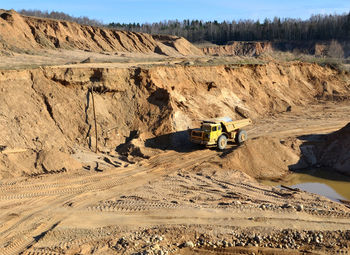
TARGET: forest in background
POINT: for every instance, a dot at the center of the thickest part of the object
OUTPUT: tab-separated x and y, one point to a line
317	27
61	16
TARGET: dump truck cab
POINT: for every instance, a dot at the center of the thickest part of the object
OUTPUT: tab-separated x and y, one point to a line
211	132
216	132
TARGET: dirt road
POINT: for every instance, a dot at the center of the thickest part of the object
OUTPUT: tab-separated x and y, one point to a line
121	210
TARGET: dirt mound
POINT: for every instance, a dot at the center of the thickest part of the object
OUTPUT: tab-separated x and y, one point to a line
264	157
180	44
258	158
27	162
51	108
335	152
22	34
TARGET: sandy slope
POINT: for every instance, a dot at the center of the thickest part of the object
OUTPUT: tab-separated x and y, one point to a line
50	109
27	34
335	151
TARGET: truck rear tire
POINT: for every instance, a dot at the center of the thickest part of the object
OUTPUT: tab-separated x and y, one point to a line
241	136
222	142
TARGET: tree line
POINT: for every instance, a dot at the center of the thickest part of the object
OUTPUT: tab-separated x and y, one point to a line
317	27
61	16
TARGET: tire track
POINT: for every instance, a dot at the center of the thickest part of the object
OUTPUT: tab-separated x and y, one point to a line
96	182
17	244
134	206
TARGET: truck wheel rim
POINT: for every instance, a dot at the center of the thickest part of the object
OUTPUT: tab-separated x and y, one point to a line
222	142
243	137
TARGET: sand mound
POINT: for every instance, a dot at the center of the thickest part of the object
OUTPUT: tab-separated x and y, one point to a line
22	34
272	158
18	162
264	157
180	44
53	161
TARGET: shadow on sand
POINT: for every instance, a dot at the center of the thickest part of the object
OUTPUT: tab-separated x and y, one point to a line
180	141
177	141
314	174
310	159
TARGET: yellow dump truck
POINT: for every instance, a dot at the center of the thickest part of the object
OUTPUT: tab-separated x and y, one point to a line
218	131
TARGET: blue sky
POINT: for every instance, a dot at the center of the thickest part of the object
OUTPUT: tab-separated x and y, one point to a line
159	10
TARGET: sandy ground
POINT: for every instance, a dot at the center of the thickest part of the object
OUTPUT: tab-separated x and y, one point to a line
173	200
80	58
74	57
160	205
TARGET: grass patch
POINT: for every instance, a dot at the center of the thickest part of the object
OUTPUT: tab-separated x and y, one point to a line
334	63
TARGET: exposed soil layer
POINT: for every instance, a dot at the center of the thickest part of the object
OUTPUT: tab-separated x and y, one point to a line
27	34
334	152
50	109
175	200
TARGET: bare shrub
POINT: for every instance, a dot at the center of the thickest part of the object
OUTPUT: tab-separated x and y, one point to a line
335	50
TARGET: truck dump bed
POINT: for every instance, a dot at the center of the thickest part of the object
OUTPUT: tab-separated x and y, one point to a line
236	124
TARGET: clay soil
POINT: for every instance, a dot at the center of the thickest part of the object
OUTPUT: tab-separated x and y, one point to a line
147	190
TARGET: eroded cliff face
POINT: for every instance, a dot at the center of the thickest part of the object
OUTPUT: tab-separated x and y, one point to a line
22	34
50	109
335	151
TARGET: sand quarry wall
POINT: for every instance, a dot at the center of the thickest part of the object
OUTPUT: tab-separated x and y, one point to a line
50	109
26	34
335	151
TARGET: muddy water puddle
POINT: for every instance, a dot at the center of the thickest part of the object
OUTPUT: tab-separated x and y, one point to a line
324	182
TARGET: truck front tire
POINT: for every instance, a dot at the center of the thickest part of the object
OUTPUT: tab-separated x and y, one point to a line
222	142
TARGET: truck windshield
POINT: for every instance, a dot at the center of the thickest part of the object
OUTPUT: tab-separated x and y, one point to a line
206	128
